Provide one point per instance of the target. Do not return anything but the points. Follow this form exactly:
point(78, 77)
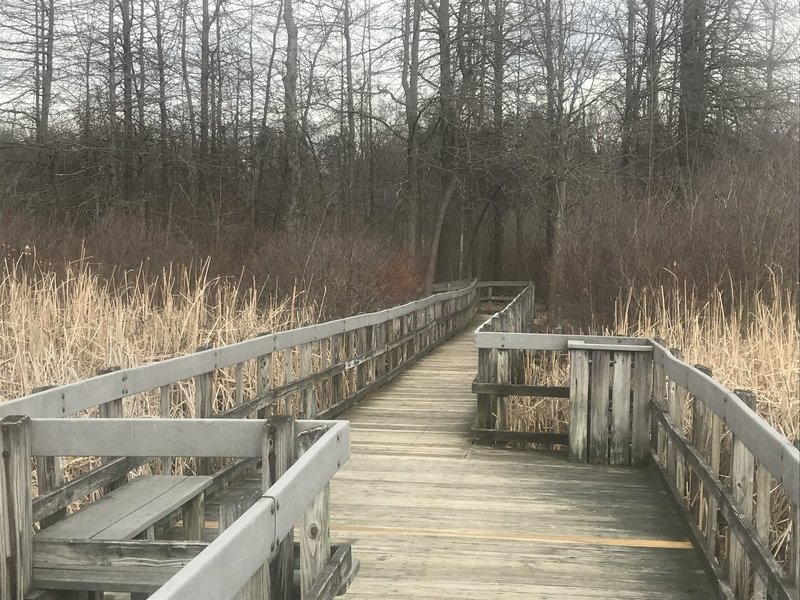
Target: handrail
point(66, 400)
point(254, 538)
point(767, 445)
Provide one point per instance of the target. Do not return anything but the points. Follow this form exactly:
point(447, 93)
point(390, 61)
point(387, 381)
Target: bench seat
point(129, 510)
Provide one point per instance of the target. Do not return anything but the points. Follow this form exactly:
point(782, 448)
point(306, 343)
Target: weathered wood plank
point(203, 409)
point(620, 446)
point(336, 577)
point(6, 530)
point(521, 389)
point(640, 420)
point(763, 519)
point(282, 567)
point(529, 437)
point(742, 487)
point(128, 511)
point(164, 405)
point(579, 405)
point(16, 438)
point(599, 406)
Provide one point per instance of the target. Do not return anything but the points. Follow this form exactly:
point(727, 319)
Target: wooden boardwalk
point(430, 515)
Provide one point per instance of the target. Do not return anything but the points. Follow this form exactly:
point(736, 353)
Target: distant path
point(432, 516)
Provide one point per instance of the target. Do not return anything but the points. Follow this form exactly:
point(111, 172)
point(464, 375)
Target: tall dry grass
point(62, 326)
point(755, 345)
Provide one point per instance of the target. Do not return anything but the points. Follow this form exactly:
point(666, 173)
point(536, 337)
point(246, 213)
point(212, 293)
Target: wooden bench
point(127, 512)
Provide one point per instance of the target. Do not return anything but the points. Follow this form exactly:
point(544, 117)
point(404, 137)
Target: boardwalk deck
point(432, 516)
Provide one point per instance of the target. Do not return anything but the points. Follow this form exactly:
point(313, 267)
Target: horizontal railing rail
point(69, 399)
point(735, 502)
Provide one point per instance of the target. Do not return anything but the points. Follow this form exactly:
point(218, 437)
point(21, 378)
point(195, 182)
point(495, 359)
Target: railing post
point(315, 547)
point(642, 392)
point(578, 405)
point(742, 468)
point(113, 409)
point(484, 401)
point(282, 434)
point(164, 413)
point(619, 452)
point(675, 406)
point(309, 395)
point(264, 381)
point(49, 476)
point(203, 408)
point(17, 513)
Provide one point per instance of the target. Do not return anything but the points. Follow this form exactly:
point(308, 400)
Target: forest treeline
point(590, 145)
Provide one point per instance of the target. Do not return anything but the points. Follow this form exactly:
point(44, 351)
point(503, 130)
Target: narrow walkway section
point(432, 516)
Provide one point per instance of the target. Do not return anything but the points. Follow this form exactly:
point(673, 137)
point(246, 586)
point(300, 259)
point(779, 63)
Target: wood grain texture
point(128, 511)
point(16, 438)
point(578, 405)
point(490, 522)
point(599, 407)
point(619, 452)
point(5, 529)
point(640, 419)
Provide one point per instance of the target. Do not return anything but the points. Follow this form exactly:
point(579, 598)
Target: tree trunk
point(410, 78)
point(292, 173)
point(691, 113)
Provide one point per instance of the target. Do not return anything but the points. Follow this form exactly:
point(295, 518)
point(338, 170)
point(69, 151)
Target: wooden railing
point(629, 401)
point(313, 372)
point(732, 477)
point(294, 491)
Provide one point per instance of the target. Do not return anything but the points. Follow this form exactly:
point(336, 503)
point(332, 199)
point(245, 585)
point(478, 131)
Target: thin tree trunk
point(410, 78)
point(350, 146)
point(290, 122)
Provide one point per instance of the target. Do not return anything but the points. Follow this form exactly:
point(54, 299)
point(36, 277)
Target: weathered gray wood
point(502, 377)
point(264, 381)
point(203, 409)
point(283, 449)
point(193, 515)
point(165, 412)
point(742, 471)
point(716, 576)
point(640, 421)
point(763, 519)
point(50, 477)
point(676, 403)
point(483, 418)
point(740, 526)
point(616, 347)
point(619, 452)
point(47, 504)
point(129, 510)
point(308, 396)
point(764, 442)
point(335, 578)
point(6, 548)
point(521, 389)
point(598, 406)
point(528, 437)
point(73, 554)
point(314, 541)
point(314, 533)
point(16, 438)
point(659, 399)
point(579, 405)
point(114, 409)
point(548, 341)
point(235, 438)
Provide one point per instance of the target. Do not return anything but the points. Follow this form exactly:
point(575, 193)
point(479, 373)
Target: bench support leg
point(193, 518)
